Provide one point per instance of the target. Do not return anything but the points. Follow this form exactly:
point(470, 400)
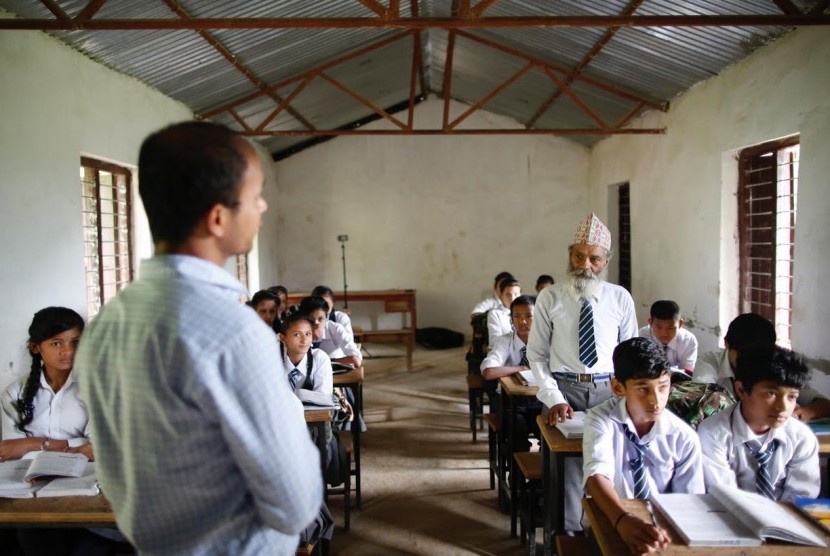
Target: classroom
point(438, 214)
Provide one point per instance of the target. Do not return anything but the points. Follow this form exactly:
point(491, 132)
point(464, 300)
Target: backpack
point(478, 346)
point(695, 401)
point(439, 338)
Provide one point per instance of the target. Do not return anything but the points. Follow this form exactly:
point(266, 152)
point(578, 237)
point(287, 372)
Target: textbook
point(817, 509)
point(527, 378)
point(573, 427)
point(85, 485)
point(23, 478)
point(339, 368)
point(728, 516)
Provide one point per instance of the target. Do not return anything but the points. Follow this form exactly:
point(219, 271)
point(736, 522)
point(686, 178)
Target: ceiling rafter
point(90, 10)
point(489, 96)
point(363, 100)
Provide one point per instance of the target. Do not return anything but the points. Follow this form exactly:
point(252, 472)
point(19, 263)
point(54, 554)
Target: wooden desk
point(354, 380)
point(555, 448)
point(610, 543)
point(64, 511)
point(511, 388)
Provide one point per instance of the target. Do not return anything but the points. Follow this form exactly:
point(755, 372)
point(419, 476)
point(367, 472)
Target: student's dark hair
point(313, 303)
point(508, 283)
point(183, 171)
point(759, 362)
point(323, 291)
point(522, 300)
point(639, 358)
point(264, 295)
point(749, 328)
point(665, 309)
point(544, 279)
point(47, 323)
point(289, 321)
point(501, 276)
point(278, 289)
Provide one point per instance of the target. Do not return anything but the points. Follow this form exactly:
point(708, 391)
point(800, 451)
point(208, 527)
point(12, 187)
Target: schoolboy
point(508, 356)
point(498, 319)
point(543, 281)
point(493, 301)
point(719, 366)
point(755, 445)
point(665, 326)
point(632, 447)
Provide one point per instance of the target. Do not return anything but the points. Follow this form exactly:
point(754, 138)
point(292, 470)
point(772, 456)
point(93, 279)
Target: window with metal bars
point(767, 195)
point(107, 225)
point(624, 239)
point(242, 269)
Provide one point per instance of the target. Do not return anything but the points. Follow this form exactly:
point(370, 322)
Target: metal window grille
point(107, 225)
point(624, 241)
point(767, 195)
point(242, 269)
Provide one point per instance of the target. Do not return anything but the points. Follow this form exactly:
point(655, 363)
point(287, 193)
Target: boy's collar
point(660, 427)
point(741, 432)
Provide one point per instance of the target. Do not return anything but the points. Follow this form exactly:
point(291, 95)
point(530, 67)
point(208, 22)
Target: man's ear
point(617, 387)
point(216, 220)
point(740, 391)
point(680, 323)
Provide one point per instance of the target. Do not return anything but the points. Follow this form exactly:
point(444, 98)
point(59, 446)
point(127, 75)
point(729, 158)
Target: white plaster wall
point(439, 214)
point(683, 184)
point(57, 105)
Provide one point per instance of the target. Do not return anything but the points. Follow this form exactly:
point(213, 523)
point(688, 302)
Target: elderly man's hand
point(559, 413)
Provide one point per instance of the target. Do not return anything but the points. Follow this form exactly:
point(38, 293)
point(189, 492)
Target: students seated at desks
point(44, 411)
point(508, 356)
point(719, 366)
point(632, 448)
point(498, 319)
point(339, 317)
point(282, 294)
point(543, 281)
point(755, 445)
point(665, 326)
point(330, 336)
point(495, 301)
point(267, 306)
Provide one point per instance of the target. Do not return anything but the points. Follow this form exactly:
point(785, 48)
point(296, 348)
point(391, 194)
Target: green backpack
point(695, 401)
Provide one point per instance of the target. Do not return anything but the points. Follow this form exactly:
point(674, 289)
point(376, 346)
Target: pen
point(651, 512)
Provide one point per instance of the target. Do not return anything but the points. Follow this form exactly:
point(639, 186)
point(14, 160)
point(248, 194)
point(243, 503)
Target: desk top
point(89, 511)
point(317, 415)
point(823, 444)
point(610, 543)
point(353, 376)
point(555, 440)
point(512, 386)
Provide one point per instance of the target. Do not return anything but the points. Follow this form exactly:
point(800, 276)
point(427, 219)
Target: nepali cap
point(592, 231)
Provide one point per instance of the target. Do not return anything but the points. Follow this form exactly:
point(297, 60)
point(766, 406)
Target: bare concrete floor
point(425, 484)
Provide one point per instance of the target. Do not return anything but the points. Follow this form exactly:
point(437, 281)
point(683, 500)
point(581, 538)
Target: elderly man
point(577, 324)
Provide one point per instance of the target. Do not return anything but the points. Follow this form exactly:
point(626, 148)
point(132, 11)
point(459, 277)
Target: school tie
point(638, 467)
point(587, 345)
point(315, 345)
point(294, 377)
point(524, 362)
point(763, 482)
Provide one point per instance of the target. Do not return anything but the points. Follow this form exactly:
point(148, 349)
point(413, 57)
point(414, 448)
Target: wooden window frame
point(624, 235)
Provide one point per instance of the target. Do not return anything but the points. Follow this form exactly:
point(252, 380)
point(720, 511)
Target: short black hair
point(313, 303)
point(183, 171)
point(501, 276)
point(278, 289)
point(749, 328)
point(523, 300)
point(760, 362)
point(639, 358)
point(296, 317)
point(508, 283)
point(323, 291)
point(263, 295)
point(544, 279)
point(665, 309)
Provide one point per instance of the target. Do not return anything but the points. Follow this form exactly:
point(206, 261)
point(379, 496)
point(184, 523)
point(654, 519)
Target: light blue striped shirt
point(201, 446)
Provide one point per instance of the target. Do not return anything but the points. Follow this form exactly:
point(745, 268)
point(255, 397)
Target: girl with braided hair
point(43, 410)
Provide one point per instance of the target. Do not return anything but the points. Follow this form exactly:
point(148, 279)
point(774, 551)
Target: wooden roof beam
point(363, 131)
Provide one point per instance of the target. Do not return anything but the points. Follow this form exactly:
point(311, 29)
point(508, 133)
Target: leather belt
point(583, 377)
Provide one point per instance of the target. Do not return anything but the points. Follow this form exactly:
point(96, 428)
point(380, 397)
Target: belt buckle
point(584, 377)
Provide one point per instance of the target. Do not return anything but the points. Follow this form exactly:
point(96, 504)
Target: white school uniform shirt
point(322, 379)
point(336, 342)
point(486, 304)
point(60, 415)
point(553, 343)
point(498, 321)
point(505, 351)
point(343, 320)
point(713, 368)
point(673, 459)
point(794, 469)
point(681, 351)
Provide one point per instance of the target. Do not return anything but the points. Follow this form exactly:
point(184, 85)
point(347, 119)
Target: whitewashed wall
point(440, 214)
point(683, 187)
point(57, 105)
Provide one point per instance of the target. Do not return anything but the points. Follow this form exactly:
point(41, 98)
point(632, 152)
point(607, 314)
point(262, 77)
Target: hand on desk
point(640, 536)
point(559, 413)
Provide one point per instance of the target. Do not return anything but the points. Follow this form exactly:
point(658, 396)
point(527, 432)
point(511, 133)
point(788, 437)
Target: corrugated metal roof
point(655, 63)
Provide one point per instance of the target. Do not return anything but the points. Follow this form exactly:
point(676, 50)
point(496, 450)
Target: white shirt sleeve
point(538, 351)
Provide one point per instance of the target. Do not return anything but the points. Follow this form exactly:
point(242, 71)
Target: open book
point(728, 516)
point(573, 427)
point(527, 378)
point(340, 368)
point(23, 478)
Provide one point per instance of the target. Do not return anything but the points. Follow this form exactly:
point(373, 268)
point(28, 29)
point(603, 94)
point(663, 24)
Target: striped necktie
point(587, 345)
point(294, 377)
point(638, 467)
point(763, 482)
point(523, 361)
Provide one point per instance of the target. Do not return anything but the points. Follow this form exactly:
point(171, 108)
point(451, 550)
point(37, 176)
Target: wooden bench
point(405, 336)
point(529, 471)
point(493, 430)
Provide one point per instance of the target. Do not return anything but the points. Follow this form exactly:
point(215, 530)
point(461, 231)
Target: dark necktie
point(763, 482)
point(294, 377)
point(638, 467)
point(524, 362)
point(587, 345)
point(316, 345)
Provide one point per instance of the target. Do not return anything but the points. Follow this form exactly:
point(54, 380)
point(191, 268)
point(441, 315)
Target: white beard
point(580, 286)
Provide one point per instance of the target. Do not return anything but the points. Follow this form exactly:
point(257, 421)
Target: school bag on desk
point(695, 401)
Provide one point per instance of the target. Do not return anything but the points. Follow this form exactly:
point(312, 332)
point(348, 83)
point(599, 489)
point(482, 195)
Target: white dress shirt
point(673, 459)
point(794, 469)
point(498, 322)
point(58, 416)
point(486, 304)
point(505, 351)
point(201, 447)
point(322, 379)
point(681, 351)
point(553, 343)
point(345, 321)
point(336, 342)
